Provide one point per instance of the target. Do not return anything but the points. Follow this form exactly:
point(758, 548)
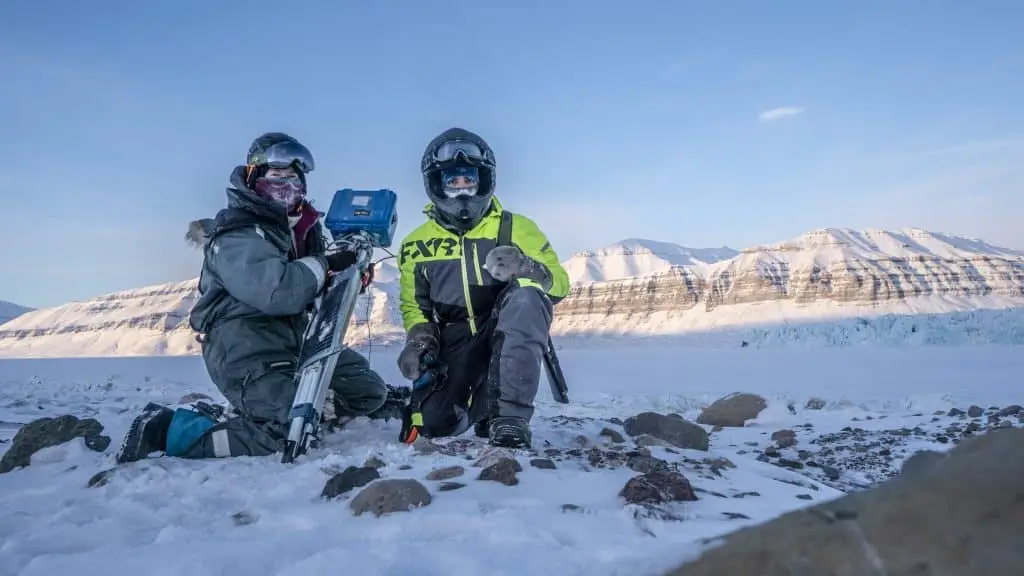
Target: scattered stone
point(954, 412)
point(805, 497)
point(735, 516)
point(244, 518)
point(784, 438)
point(571, 508)
point(375, 463)
point(719, 464)
point(405, 467)
point(101, 478)
point(449, 486)
point(1013, 410)
point(351, 477)
point(195, 397)
point(975, 411)
point(543, 463)
point(791, 464)
point(446, 473)
point(814, 404)
point(745, 494)
point(97, 442)
point(658, 487)
point(644, 463)
point(504, 471)
point(613, 435)
point(733, 410)
point(670, 428)
point(48, 432)
point(390, 495)
point(906, 525)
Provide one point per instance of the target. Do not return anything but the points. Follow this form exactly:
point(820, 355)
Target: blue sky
point(121, 120)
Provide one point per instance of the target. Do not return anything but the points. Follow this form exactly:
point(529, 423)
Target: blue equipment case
point(372, 211)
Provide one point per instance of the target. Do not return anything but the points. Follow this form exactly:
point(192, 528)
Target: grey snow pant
point(495, 372)
point(262, 387)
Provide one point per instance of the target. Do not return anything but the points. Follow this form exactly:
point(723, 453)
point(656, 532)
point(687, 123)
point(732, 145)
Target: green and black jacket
point(441, 272)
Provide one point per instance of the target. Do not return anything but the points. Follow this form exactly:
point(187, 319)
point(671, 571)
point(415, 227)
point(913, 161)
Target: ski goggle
point(285, 155)
point(464, 149)
point(462, 181)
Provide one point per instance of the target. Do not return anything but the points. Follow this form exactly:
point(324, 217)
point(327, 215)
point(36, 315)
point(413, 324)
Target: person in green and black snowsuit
point(264, 264)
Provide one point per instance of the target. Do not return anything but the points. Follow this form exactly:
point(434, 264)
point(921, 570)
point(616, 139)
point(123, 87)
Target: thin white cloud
point(779, 113)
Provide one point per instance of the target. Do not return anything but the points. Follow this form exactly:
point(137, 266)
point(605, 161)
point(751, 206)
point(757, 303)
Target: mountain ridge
point(828, 273)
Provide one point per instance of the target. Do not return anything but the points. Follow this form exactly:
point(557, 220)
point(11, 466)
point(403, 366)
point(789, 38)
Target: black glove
point(338, 261)
point(422, 338)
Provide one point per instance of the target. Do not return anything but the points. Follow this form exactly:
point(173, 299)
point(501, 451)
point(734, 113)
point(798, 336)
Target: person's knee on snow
point(358, 390)
point(454, 269)
point(265, 261)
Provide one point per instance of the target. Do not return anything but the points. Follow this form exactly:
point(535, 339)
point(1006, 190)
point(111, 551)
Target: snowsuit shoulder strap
point(505, 229)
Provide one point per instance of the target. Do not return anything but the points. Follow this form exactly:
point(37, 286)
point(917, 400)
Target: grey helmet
point(455, 148)
point(277, 150)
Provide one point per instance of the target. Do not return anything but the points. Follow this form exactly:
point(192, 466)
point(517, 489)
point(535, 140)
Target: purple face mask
point(288, 191)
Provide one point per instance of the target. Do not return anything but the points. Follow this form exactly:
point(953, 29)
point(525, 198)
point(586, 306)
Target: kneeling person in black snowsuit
point(264, 265)
point(483, 310)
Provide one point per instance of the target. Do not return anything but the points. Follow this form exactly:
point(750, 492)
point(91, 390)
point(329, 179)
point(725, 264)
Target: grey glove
point(506, 263)
point(422, 338)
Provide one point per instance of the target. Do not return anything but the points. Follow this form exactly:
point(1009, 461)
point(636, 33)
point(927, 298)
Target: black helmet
point(277, 150)
point(456, 148)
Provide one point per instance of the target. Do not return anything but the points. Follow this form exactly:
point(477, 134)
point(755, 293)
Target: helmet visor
point(285, 155)
point(460, 149)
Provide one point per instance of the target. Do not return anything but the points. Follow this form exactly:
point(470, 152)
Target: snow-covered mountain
point(154, 321)
point(634, 258)
point(9, 311)
point(641, 287)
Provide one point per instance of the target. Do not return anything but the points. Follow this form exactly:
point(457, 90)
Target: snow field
point(256, 516)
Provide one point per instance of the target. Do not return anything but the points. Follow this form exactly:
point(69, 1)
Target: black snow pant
point(261, 389)
point(495, 372)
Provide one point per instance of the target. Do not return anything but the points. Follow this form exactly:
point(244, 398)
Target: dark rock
point(45, 433)
point(658, 487)
point(351, 477)
point(571, 508)
point(613, 435)
point(735, 516)
point(1010, 411)
point(543, 463)
point(906, 526)
point(805, 497)
point(814, 404)
point(449, 486)
point(390, 495)
point(674, 430)
point(953, 412)
point(975, 412)
point(97, 442)
point(644, 463)
point(101, 478)
point(504, 471)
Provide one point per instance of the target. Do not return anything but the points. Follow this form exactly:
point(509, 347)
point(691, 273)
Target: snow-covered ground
point(256, 516)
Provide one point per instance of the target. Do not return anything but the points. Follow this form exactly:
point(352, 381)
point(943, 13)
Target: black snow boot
point(147, 434)
point(482, 429)
point(510, 432)
point(394, 404)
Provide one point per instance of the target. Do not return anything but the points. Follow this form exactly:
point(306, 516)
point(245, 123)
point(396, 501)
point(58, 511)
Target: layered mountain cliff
point(635, 287)
point(154, 321)
point(825, 273)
